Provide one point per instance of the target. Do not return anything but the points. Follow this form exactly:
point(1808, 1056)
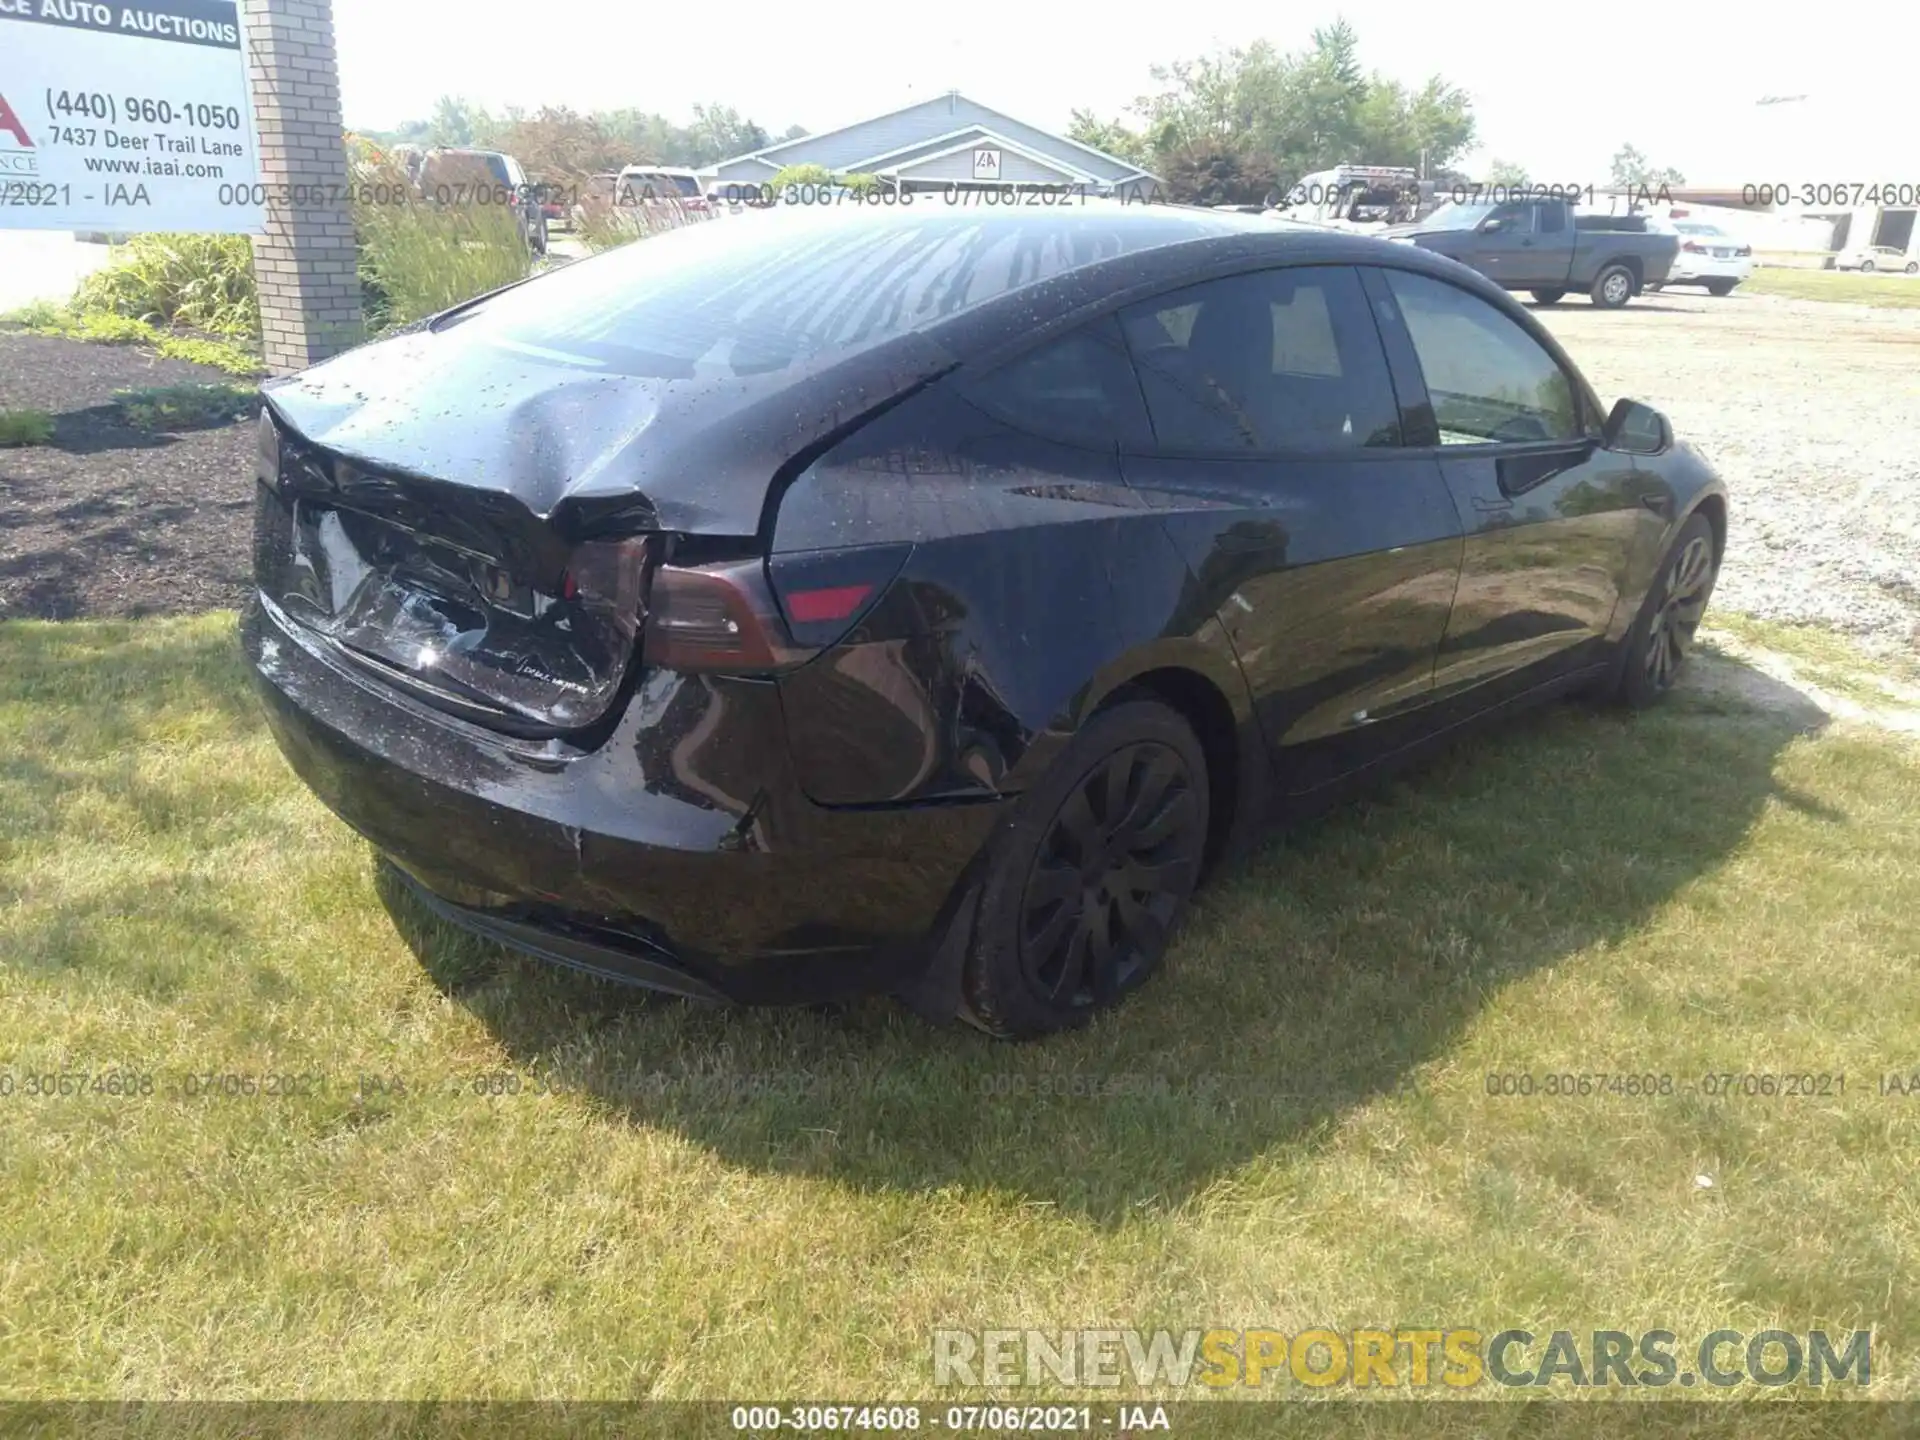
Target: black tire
point(1913, 267)
point(1086, 883)
point(1662, 634)
point(1548, 297)
point(1612, 287)
point(539, 236)
point(1722, 288)
point(1866, 267)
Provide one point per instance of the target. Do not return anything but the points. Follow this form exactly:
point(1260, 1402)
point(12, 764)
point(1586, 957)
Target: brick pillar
point(309, 291)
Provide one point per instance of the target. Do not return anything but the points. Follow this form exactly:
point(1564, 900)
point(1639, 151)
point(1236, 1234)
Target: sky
point(1557, 92)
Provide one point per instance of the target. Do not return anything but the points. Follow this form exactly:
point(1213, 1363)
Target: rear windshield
point(649, 185)
point(779, 290)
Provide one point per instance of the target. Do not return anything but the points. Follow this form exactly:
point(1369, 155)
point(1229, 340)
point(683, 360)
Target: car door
point(1328, 552)
point(1502, 246)
point(1551, 518)
point(1546, 258)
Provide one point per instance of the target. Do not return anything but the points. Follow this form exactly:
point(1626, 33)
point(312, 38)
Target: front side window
point(1513, 219)
point(1278, 361)
point(1490, 382)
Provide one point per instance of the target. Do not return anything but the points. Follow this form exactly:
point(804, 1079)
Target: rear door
point(1551, 518)
point(1329, 553)
point(1546, 259)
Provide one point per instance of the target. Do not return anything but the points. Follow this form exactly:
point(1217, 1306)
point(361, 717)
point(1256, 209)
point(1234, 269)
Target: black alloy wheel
point(1662, 636)
point(1112, 872)
point(1086, 886)
point(1689, 582)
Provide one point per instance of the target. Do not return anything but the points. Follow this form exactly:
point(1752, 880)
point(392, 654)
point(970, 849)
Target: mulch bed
point(107, 520)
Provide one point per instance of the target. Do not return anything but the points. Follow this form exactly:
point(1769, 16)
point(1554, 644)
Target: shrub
point(186, 407)
point(800, 175)
point(203, 282)
point(418, 257)
point(858, 184)
point(25, 427)
point(103, 327)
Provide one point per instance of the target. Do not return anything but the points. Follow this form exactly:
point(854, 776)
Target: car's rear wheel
point(1549, 297)
point(1662, 636)
point(1613, 287)
point(1913, 267)
point(1866, 267)
point(1086, 884)
point(539, 236)
point(1721, 287)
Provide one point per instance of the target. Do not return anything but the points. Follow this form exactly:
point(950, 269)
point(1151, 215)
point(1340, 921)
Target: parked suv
point(661, 184)
point(449, 175)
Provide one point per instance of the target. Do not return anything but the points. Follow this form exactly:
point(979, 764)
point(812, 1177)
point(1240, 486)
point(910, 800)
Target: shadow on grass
point(1320, 973)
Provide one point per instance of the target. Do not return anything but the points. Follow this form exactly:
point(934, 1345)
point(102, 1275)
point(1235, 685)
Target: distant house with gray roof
point(943, 142)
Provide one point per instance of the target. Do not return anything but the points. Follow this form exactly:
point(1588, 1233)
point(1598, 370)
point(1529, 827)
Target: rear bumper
point(679, 853)
point(1697, 268)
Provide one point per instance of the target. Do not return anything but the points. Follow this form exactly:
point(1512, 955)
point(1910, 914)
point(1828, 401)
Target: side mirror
point(1637, 429)
point(1492, 227)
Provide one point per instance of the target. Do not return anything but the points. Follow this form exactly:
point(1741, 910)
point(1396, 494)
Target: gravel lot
point(1811, 412)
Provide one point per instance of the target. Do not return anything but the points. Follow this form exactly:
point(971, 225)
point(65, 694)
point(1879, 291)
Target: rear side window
point(1078, 388)
point(1490, 382)
point(1279, 360)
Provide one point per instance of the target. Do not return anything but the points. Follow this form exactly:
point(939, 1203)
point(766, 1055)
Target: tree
point(1112, 138)
point(1505, 172)
point(1291, 115)
point(458, 122)
point(1203, 174)
point(719, 133)
point(1631, 170)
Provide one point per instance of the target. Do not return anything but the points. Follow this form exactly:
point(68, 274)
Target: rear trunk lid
point(475, 519)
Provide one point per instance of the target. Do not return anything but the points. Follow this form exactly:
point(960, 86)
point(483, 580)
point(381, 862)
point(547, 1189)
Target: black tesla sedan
point(923, 599)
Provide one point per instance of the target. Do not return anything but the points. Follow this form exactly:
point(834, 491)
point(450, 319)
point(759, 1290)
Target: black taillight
point(715, 617)
point(823, 593)
point(728, 617)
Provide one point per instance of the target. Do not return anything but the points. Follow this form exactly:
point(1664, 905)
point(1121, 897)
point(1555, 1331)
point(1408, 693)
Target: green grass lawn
point(682, 1202)
point(1847, 286)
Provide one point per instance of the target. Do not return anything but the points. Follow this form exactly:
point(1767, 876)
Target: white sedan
point(1868, 258)
point(1708, 256)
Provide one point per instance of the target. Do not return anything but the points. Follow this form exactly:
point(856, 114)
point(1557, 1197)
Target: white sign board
point(126, 117)
point(986, 163)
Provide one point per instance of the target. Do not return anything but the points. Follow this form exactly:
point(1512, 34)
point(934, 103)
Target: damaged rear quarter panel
point(1004, 616)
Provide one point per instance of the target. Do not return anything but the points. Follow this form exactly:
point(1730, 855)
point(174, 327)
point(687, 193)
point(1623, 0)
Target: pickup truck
point(1543, 247)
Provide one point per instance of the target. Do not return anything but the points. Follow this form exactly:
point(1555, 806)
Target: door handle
point(1488, 507)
